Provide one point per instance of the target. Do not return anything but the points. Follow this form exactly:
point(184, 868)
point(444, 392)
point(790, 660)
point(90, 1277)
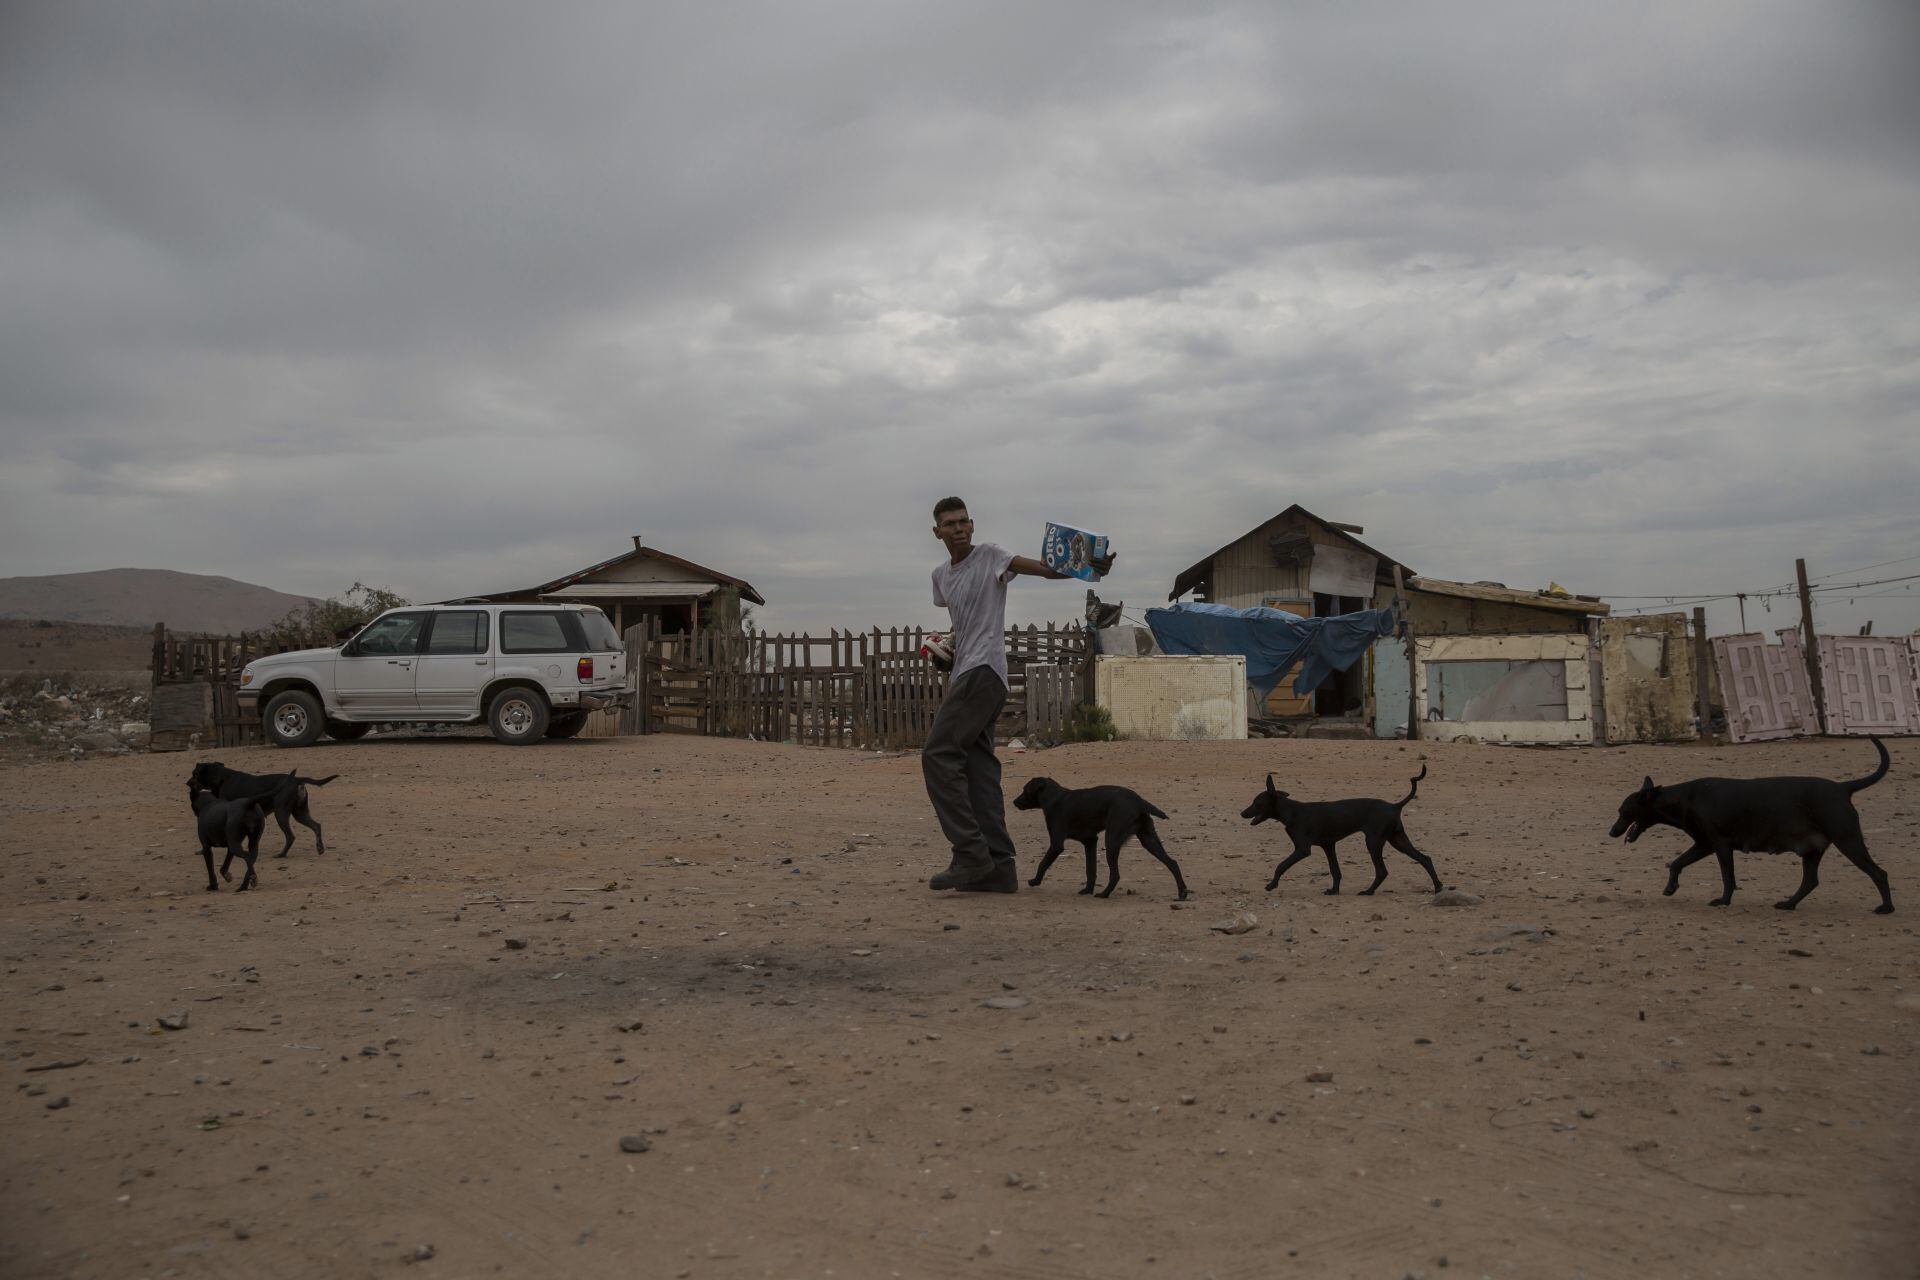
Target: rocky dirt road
point(425, 1052)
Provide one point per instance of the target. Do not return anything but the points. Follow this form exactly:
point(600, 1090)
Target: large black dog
point(1326, 823)
point(237, 824)
point(284, 793)
point(1087, 815)
point(1759, 815)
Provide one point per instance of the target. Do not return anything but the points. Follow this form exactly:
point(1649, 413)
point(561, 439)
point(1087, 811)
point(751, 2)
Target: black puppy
point(1328, 822)
point(1759, 815)
point(237, 824)
point(1086, 816)
point(284, 793)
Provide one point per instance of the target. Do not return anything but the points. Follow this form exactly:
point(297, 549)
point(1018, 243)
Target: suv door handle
point(397, 662)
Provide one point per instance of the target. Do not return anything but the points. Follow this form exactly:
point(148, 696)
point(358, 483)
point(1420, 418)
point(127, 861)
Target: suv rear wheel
point(293, 719)
point(517, 716)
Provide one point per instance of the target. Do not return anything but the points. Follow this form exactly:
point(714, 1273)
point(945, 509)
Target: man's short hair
point(945, 505)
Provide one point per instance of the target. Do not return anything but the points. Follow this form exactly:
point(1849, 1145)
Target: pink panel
point(1764, 686)
point(1868, 683)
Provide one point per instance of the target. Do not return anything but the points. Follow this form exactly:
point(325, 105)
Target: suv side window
point(460, 632)
point(534, 633)
point(395, 633)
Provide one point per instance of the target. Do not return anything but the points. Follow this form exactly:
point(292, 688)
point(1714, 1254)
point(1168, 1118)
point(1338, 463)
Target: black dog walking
point(1326, 823)
point(284, 793)
point(1760, 815)
point(236, 824)
point(1088, 815)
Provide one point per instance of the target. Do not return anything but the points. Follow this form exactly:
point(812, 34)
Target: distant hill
point(142, 597)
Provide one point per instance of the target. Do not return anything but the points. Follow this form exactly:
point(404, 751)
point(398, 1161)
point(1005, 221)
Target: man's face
point(955, 528)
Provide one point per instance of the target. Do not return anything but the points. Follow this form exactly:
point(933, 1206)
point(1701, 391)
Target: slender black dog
point(1086, 816)
point(284, 793)
point(237, 824)
point(1759, 815)
point(1326, 823)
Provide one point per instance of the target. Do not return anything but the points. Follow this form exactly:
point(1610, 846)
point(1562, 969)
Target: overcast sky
point(457, 297)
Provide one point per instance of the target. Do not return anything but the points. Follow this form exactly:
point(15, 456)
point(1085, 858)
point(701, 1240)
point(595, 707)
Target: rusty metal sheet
point(1764, 685)
point(1869, 682)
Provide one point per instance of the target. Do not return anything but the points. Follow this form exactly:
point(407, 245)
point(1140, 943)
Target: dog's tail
point(315, 782)
point(1149, 807)
point(1414, 789)
point(1886, 762)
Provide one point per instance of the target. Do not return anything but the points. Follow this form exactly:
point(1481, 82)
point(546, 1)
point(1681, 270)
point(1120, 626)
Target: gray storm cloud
point(456, 298)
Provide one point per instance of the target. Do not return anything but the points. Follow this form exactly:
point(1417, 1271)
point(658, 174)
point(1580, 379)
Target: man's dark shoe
point(1004, 878)
point(961, 873)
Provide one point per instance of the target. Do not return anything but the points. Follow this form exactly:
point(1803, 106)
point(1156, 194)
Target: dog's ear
point(1646, 787)
point(1269, 782)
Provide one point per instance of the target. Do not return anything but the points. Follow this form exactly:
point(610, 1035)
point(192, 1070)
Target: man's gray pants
point(963, 774)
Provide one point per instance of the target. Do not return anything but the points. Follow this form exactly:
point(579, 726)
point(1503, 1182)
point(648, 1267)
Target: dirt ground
point(435, 1037)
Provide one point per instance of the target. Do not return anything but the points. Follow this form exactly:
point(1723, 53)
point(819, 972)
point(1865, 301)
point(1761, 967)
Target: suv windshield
point(601, 637)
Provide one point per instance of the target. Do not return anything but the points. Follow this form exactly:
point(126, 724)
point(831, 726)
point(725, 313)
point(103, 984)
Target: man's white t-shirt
point(974, 593)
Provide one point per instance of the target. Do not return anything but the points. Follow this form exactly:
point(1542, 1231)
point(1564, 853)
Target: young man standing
point(962, 773)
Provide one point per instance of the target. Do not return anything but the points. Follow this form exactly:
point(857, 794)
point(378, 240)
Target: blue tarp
point(1271, 640)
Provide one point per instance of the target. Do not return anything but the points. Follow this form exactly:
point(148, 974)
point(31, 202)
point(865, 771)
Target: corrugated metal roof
point(1198, 572)
point(633, 591)
point(1508, 595)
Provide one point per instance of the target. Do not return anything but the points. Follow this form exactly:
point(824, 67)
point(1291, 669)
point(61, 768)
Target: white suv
point(528, 671)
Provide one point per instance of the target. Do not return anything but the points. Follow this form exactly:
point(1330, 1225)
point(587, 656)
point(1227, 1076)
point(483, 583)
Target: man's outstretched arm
point(1037, 569)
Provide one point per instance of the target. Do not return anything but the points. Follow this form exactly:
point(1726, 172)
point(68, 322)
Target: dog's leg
point(237, 816)
point(1300, 850)
point(1809, 877)
point(1398, 839)
point(1040, 873)
point(206, 852)
point(304, 816)
point(280, 807)
point(1093, 865)
point(253, 850)
point(1375, 846)
point(1855, 850)
point(1114, 840)
point(1150, 841)
point(1333, 865)
point(1680, 864)
point(1723, 854)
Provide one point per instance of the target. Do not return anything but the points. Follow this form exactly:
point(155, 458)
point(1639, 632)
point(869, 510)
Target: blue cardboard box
point(1072, 551)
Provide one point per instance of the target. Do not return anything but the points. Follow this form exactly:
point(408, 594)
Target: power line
point(1879, 582)
point(1882, 565)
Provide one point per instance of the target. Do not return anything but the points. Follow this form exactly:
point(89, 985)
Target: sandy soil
point(730, 952)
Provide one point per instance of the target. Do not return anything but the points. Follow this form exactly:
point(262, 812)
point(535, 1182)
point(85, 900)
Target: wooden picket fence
point(859, 689)
point(216, 661)
point(865, 689)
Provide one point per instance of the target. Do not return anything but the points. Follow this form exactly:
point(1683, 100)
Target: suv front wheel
point(293, 719)
point(517, 716)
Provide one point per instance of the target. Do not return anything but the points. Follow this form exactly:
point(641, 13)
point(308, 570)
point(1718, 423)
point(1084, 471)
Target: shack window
point(1496, 690)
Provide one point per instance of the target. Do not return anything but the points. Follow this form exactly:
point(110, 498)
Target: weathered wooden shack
point(1489, 661)
point(645, 584)
point(1302, 564)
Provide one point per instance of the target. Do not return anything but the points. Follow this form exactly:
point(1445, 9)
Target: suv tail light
point(584, 670)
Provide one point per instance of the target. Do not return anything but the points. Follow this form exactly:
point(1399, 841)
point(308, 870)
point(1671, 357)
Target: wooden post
point(1413, 659)
point(1813, 649)
point(1703, 673)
